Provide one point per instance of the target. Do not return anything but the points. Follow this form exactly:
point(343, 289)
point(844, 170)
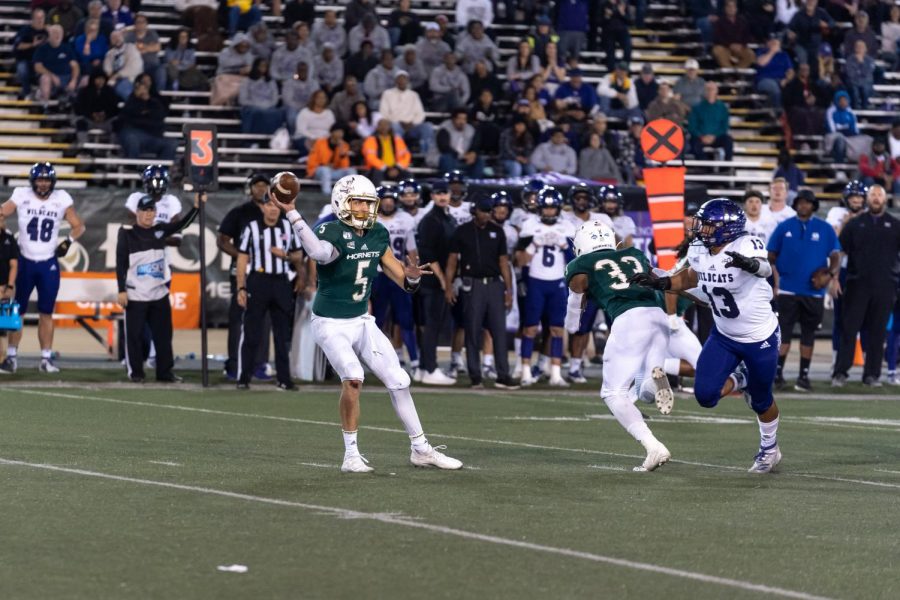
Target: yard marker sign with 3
point(663, 141)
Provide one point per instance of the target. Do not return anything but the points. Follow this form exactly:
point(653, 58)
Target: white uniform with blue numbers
point(512, 239)
point(167, 208)
point(39, 221)
point(549, 264)
point(624, 226)
point(740, 301)
point(401, 228)
point(462, 213)
point(576, 221)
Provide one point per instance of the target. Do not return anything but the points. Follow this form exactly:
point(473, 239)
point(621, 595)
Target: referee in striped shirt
point(267, 251)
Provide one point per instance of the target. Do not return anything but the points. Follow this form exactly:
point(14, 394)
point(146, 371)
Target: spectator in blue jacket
point(773, 71)
point(56, 64)
point(575, 99)
point(27, 40)
point(573, 23)
point(841, 125)
point(798, 249)
point(806, 30)
point(91, 47)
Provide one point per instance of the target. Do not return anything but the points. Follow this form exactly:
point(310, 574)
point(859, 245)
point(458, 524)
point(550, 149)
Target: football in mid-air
point(285, 187)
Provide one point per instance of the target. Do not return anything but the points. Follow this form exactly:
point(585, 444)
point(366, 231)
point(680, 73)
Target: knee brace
point(396, 378)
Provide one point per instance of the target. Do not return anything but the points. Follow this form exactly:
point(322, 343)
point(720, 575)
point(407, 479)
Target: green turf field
point(143, 493)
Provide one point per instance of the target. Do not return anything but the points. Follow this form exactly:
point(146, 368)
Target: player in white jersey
point(527, 206)
point(460, 208)
point(155, 180)
point(777, 208)
point(729, 272)
point(544, 247)
point(760, 224)
point(411, 199)
point(401, 228)
point(613, 204)
point(41, 208)
point(582, 201)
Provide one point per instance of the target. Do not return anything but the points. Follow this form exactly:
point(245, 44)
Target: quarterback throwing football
point(348, 252)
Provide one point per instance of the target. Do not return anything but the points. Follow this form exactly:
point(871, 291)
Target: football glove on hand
point(649, 280)
point(739, 261)
point(63, 247)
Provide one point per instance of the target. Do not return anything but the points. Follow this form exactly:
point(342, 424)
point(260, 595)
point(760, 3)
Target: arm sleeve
point(321, 251)
point(178, 226)
point(573, 312)
point(244, 243)
point(122, 260)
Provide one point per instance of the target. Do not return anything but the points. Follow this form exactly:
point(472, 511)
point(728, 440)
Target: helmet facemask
point(359, 220)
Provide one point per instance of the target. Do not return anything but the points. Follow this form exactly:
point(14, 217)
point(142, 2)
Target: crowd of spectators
point(308, 71)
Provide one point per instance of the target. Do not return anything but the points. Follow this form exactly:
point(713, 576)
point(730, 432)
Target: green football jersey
point(608, 272)
point(345, 283)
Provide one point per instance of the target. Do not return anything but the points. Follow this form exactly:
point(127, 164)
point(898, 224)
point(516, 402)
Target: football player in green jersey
point(348, 252)
point(638, 337)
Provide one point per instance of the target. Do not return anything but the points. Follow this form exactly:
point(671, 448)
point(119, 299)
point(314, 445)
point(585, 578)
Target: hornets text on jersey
point(345, 283)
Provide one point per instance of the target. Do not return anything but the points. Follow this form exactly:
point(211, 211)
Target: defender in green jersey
point(635, 350)
point(348, 253)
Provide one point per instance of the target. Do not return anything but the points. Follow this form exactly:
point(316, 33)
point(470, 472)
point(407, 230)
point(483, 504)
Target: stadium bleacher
point(31, 131)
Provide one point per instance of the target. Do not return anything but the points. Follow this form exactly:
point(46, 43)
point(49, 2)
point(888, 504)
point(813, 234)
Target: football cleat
point(740, 377)
point(417, 375)
point(527, 377)
point(517, 371)
point(803, 384)
point(437, 377)
point(356, 463)
point(577, 377)
point(664, 397)
point(262, 373)
point(433, 458)
point(8, 366)
point(47, 366)
point(657, 455)
point(871, 382)
point(766, 459)
point(838, 381)
point(558, 382)
point(489, 372)
point(893, 379)
point(506, 383)
point(290, 386)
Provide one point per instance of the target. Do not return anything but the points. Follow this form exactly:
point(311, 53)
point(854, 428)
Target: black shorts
point(806, 310)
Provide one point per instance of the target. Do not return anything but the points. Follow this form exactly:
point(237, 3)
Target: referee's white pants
point(350, 342)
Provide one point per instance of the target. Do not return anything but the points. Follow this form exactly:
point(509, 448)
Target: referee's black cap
point(146, 202)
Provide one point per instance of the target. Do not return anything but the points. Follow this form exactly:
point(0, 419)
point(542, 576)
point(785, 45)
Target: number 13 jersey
point(740, 301)
point(345, 283)
point(39, 221)
point(608, 272)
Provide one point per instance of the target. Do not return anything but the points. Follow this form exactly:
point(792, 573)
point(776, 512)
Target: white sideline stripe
point(165, 462)
point(442, 435)
point(888, 471)
point(318, 465)
point(607, 468)
point(396, 519)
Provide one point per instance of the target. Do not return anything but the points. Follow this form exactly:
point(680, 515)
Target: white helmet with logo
point(354, 187)
point(594, 236)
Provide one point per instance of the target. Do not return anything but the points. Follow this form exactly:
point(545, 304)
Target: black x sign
point(663, 140)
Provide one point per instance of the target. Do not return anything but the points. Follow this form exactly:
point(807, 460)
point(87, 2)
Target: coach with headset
point(478, 255)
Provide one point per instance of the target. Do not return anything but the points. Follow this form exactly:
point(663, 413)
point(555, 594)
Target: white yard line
point(319, 465)
point(888, 471)
point(607, 468)
point(165, 463)
point(439, 435)
point(405, 521)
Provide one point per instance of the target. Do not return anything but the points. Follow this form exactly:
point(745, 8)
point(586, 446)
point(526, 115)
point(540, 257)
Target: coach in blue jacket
point(806, 254)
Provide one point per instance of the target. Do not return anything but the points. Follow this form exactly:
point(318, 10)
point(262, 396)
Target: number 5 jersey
point(740, 301)
point(39, 221)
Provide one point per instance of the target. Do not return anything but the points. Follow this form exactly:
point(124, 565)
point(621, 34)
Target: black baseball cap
point(484, 204)
point(440, 185)
point(256, 177)
point(146, 202)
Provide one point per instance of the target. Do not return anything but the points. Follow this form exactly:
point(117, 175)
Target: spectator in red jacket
point(878, 167)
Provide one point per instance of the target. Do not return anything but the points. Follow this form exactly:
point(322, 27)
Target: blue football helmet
point(42, 170)
point(156, 180)
point(456, 181)
point(409, 187)
point(549, 197)
point(854, 188)
point(718, 222)
point(529, 194)
point(499, 200)
point(387, 191)
point(610, 193)
point(579, 190)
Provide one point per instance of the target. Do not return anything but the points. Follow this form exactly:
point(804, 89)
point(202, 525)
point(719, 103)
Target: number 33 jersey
point(740, 301)
point(39, 221)
point(345, 283)
point(608, 272)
